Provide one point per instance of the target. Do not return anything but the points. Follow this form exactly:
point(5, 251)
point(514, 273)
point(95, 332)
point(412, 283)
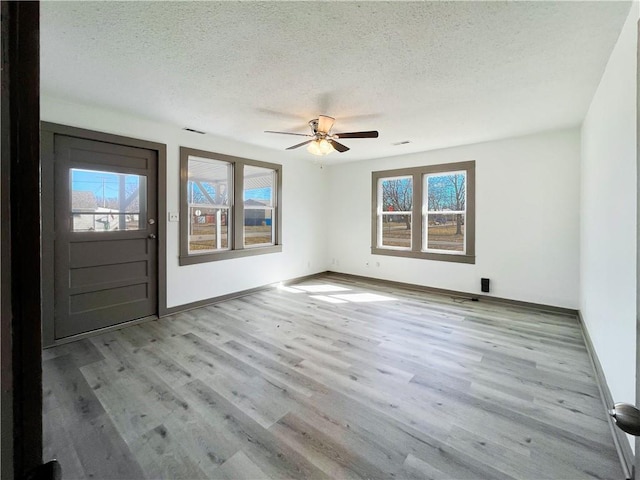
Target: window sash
point(426, 225)
point(217, 235)
point(385, 214)
point(252, 176)
point(380, 229)
point(427, 211)
point(272, 224)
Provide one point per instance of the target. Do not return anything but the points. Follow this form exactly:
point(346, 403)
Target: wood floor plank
point(282, 384)
point(415, 469)
point(161, 454)
point(271, 455)
point(325, 448)
point(96, 443)
point(390, 439)
point(300, 382)
point(239, 467)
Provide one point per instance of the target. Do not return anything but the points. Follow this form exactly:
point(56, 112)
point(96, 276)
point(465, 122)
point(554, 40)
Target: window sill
point(442, 257)
point(227, 255)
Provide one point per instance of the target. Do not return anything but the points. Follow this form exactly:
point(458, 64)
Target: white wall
point(304, 235)
point(608, 217)
point(527, 224)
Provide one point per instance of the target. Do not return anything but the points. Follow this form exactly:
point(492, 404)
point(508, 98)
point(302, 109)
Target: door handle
point(626, 417)
point(152, 236)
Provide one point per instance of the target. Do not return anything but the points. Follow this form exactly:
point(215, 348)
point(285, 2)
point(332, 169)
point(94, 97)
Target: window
point(425, 212)
point(229, 207)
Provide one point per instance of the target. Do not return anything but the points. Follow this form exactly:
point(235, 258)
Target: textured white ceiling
point(436, 74)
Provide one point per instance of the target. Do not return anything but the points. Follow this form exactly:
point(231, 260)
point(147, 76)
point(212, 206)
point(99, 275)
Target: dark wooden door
point(105, 234)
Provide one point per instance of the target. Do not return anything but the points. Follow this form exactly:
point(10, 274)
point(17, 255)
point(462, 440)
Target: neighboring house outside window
point(425, 212)
point(230, 207)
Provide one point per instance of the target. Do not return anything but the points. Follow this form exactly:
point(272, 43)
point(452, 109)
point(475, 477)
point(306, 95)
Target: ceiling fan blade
point(300, 144)
point(338, 146)
point(325, 123)
point(290, 133)
point(369, 134)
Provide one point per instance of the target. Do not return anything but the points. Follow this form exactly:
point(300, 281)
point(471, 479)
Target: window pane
point(259, 186)
point(107, 201)
point(258, 226)
point(259, 200)
point(208, 229)
point(396, 194)
point(446, 191)
point(209, 182)
point(209, 197)
point(445, 232)
point(396, 231)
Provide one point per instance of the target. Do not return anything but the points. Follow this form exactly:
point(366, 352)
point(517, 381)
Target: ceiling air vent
point(193, 130)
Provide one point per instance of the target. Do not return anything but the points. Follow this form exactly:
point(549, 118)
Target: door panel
point(105, 234)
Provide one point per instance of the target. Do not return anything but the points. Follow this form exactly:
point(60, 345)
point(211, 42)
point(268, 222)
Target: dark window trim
point(236, 238)
point(416, 225)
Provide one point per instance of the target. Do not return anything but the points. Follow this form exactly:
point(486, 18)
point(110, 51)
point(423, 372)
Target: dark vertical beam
point(636, 465)
point(21, 370)
point(6, 373)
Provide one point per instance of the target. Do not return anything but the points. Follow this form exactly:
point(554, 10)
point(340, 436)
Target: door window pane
point(209, 200)
point(107, 201)
point(259, 201)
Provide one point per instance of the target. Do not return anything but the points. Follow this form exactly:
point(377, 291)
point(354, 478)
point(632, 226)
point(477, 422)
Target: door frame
point(48, 131)
point(636, 460)
point(20, 339)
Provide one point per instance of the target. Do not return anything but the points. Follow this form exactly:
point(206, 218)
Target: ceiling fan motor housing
point(314, 125)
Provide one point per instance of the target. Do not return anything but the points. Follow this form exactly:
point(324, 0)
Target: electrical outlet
point(173, 216)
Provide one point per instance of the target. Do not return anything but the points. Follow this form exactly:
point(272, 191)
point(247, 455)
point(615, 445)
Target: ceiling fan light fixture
point(320, 147)
point(322, 141)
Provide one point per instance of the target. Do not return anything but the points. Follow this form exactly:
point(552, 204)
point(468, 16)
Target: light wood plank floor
point(331, 378)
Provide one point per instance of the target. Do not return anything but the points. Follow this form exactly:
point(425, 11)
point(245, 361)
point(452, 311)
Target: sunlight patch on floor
point(331, 297)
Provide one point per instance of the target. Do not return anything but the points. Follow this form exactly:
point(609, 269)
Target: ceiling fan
point(322, 141)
